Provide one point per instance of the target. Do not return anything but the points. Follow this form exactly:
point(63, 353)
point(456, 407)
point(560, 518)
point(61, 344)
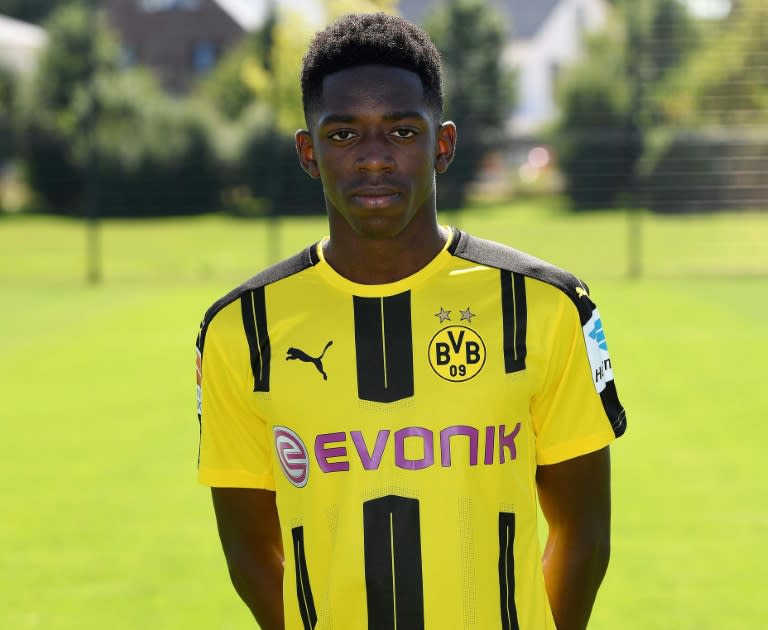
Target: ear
point(446, 146)
point(306, 152)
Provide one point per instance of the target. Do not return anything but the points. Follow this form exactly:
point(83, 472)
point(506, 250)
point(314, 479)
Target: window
point(204, 56)
point(127, 56)
point(155, 6)
point(581, 20)
point(555, 70)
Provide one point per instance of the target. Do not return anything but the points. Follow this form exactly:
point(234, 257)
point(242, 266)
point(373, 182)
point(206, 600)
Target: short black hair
point(360, 39)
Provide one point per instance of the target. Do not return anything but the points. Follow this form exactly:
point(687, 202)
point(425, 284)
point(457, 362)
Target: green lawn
point(104, 526)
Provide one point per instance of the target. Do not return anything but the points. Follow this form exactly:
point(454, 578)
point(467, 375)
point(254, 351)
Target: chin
point(378, 227)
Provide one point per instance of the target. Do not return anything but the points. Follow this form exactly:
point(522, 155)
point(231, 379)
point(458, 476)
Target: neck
point(367, 260)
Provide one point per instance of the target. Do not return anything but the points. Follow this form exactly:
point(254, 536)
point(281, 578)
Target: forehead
point(372, 89)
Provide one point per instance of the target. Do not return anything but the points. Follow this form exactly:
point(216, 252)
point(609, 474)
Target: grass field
point(104, 526)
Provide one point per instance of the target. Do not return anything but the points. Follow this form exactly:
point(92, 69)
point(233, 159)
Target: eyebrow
point(390, 117)
point(400, 115)
point(336, 118)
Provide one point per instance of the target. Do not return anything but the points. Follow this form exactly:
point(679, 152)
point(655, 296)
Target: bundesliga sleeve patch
point(597, 351)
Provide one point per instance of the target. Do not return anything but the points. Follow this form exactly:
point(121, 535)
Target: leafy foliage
point(91, 133)
point(35, 11)
point(711, 154)
point(727, 82)
point(49, 128)
point(257, 85)
point(153, 155)
point(597, 142)
point(471, 37)
point(696, 171)
point(608, 101)
point(7, 98)
point(264, 68)
point(270, 170)
point(229, 86)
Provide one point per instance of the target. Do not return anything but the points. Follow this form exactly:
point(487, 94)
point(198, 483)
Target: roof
point(21, 34)
point(525, 17)
point(248, 14)
point(20, 44)
point(528, 17)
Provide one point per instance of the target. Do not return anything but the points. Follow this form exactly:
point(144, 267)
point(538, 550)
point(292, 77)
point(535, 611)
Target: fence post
point(93, 224)
point(634, 137)
point(634, 243)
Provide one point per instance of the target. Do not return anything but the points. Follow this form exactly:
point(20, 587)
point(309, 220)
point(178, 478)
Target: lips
point(375, 197)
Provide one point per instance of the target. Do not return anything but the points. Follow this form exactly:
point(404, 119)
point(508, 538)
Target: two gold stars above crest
point(445, 316)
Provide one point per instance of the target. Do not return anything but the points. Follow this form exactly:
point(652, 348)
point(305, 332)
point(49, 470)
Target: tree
point(36, 11)
point(714, 106)
point(258, 83)
point(609, 101)
point(84, 121)
point(240, 78)
point(478, 94)
point(79, 47)
point(7, 98)
point(264, 68)
point(274, 79)
point(727, 82)
point(671, 36)
point(597, 142)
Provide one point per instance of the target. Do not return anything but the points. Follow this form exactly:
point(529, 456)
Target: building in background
point(548, 37)
point(181, 39)
point(20, 44)
point(544, 37)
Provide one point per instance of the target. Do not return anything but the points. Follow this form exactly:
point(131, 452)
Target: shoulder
point(279, 271)
point(505, 258)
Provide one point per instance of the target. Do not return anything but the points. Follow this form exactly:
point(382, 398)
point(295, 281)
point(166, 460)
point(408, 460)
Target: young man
point(381, 412)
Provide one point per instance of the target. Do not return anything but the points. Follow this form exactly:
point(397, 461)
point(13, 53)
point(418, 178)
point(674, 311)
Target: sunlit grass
point(104, 525)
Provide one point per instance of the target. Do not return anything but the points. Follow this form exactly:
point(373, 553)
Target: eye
point(341, 136)
point(404, 133)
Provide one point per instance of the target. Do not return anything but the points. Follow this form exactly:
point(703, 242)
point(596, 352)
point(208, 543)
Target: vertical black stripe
point(303, 589)
point(515, 320)
point(384, 347)
point(613, 409)
point(254, 310)
point(393, 579)
point(507, 571)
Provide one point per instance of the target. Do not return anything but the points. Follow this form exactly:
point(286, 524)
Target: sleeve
point(576, 410)
point(235, 449)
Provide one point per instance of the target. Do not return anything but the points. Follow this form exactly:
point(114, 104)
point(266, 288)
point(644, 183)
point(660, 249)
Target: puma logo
point(295, 353)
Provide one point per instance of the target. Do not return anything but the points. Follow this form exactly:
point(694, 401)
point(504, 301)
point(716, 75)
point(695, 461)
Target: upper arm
point(247, 521)
point(575, 409)
point(235, 440)
point(576, 493)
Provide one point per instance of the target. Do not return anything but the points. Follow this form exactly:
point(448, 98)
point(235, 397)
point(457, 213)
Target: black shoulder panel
point(288, 267)
point(513, 262)
point(500, 256)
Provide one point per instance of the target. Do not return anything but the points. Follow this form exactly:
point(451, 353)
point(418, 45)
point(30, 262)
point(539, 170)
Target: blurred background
point(147, 166)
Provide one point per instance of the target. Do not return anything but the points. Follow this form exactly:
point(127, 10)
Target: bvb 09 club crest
point(456, 353)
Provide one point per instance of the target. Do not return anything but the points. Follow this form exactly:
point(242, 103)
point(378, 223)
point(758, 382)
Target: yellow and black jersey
point(401, 426)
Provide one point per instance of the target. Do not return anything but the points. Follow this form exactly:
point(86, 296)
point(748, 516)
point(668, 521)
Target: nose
point(374, 155)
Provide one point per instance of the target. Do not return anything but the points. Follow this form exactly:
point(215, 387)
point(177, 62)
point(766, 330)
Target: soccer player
point(381, 413)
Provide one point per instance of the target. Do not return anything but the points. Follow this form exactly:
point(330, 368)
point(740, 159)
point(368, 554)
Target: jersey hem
point(571, 450)
point(234, 479)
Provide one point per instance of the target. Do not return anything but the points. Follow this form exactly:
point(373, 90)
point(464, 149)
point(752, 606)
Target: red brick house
point(181, 39)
